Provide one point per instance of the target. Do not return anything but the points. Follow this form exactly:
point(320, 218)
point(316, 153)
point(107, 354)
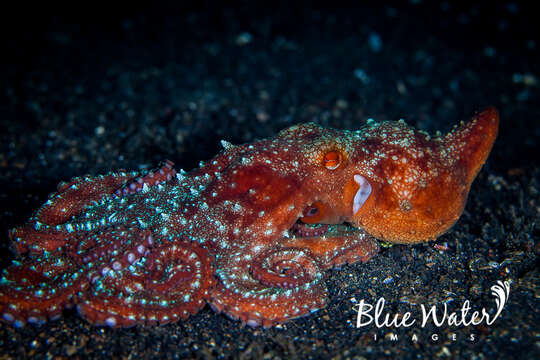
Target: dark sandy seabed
point(93, 90)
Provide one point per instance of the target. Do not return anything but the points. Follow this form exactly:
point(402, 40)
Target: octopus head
point(398, 184)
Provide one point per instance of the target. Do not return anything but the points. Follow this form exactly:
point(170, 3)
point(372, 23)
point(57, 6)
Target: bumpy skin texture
point(250, 233)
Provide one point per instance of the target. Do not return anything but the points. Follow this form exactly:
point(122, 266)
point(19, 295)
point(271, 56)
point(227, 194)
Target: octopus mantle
point(250, 232)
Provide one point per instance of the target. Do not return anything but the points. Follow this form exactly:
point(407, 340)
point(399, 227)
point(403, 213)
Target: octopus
point(251, 232)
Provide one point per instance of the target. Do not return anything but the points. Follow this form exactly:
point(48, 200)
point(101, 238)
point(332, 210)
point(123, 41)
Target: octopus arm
point(278, 285)
point(171, 283)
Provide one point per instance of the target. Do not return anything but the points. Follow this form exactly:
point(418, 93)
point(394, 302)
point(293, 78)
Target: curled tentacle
point(111, 249)
point(278, 285)
point(50, 228)
point(340, 244)
point(45, 231)
point(42, 287)
point(38, 289)
point(74, 196)
point(169, 284)
point(305, 230)
point(286, 269)
point(29, 238)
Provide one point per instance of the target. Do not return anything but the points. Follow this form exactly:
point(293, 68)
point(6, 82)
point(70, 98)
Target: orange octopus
point(250, 232)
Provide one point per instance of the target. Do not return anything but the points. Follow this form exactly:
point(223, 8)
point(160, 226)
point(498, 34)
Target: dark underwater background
point(91, 88)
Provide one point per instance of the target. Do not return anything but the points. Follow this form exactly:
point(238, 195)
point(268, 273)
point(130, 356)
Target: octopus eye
point(314, 213)
point(311, 211)
point(332, 160)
